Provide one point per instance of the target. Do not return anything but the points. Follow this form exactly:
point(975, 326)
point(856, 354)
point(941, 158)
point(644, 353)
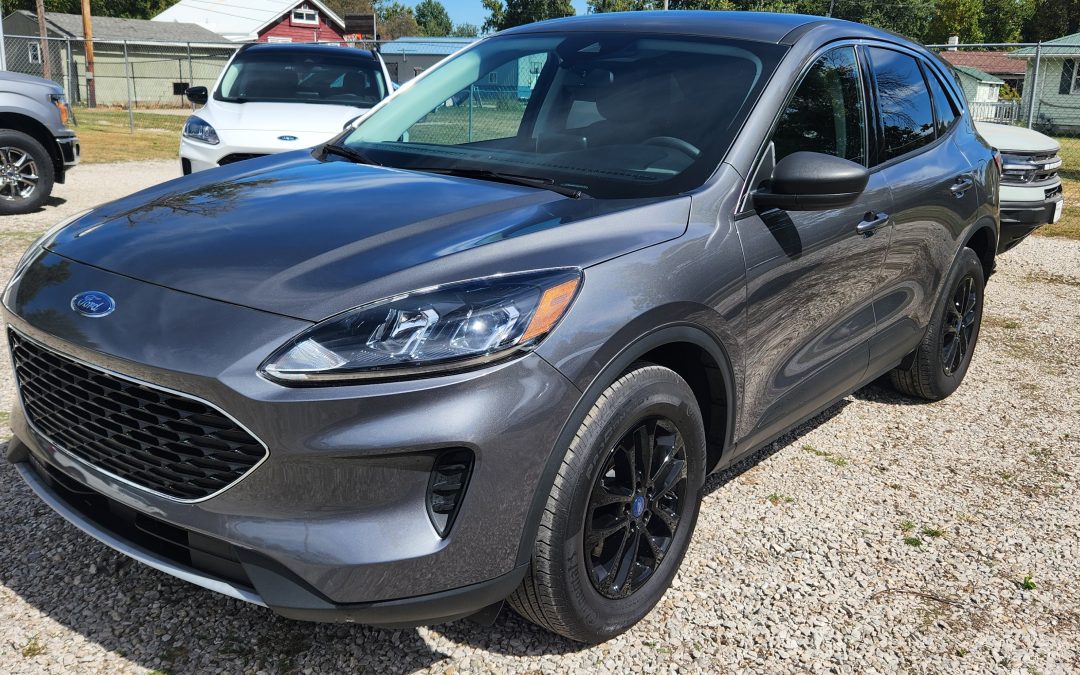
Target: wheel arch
point(697, 356)
point(983, 240)
point(39, 132)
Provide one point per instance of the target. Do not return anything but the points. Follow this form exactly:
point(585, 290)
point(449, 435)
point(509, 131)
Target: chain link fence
point(128, 75)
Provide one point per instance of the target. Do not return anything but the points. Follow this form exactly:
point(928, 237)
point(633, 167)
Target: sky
point(472, 11)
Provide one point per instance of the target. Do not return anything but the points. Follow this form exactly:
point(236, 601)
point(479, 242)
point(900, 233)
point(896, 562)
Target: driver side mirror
point(197, 95)
point(809, 181)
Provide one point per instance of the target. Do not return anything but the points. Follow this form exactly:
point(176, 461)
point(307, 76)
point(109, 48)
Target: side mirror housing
point(809, 181)
point(197, 95)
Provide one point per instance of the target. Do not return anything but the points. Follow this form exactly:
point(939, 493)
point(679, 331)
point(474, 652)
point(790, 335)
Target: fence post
point(127, 80)
point(472, 90)
point(71, 82)
point(190, 71)
point(1034, 84)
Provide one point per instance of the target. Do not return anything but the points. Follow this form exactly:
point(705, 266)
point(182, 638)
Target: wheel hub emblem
point(637, 507)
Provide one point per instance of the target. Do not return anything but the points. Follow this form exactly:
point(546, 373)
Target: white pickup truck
point(1030, 186)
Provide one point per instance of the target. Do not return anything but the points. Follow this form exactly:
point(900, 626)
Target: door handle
point(962, 185)
point(871, 223)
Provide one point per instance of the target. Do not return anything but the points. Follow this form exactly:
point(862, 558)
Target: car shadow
point(164, 624)
point(881, 391)
point(721, 478)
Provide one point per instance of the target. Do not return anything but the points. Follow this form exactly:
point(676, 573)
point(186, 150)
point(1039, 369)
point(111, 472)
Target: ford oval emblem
point(286, 138)
point(93, 304)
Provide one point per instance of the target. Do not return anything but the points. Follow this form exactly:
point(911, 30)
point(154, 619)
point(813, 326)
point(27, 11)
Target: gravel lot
point(883, 535)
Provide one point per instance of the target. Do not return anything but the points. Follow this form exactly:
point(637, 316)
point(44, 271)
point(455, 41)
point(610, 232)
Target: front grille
point(238, 157)
point(1023, 169)
point(159, 440)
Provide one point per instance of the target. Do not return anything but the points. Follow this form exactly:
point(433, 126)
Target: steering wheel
point(679, 144)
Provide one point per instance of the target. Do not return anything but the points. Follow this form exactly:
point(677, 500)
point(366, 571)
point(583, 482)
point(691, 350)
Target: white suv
point(275, 98)
point(1030, 186)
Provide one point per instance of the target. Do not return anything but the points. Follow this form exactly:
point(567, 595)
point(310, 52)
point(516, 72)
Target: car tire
point(22, 156)
point(578, 590)
point(935, 370)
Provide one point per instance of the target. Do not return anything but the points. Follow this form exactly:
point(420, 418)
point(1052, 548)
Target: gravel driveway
point(882, 535)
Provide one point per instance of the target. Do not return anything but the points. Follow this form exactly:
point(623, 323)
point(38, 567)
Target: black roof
point(306, 48)
point(757, 26)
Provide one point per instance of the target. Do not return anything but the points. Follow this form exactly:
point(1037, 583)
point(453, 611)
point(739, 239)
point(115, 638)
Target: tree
point(1052, 19)
point(129, 9)
point(502, 15)
point(345, 8)
point(1003, 20)
point(469, 30)
point(962, 18)
point(433, 19)
point(396, 20)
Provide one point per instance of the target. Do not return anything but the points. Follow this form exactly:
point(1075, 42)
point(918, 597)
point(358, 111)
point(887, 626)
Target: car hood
point(297, 236)
point(1007, 138)
point(8, 78)
point(278, 117)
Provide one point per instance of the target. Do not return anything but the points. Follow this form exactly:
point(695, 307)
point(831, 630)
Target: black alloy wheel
point(634, 508)
point(959, 325)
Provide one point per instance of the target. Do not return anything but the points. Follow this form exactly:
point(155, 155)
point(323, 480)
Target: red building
point(261, 20)
point(306, 22)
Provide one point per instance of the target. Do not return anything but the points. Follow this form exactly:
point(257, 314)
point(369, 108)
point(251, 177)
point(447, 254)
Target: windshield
point(284, 76)
point(610, 114)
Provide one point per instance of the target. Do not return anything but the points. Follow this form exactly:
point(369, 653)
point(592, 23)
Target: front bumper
point(239, 145)
point(70, 154)
point(333, 524)
point(1021, 218)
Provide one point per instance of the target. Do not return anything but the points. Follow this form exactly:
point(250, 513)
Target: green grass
point(913, 541)
point(32, 648)
point(1069, 225)
point(777, 499)
point(932, 532)
point(907, 525)
point(827, 456)
point(105, 136)
point(1028, 584)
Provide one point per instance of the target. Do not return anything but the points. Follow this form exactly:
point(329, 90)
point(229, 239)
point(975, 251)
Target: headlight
point(447, 328)
point(200, 130)
point(66, 115)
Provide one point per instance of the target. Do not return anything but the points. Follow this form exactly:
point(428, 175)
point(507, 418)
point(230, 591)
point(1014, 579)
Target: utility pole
point(829, 13)
point(88, 49)
point(43, 43)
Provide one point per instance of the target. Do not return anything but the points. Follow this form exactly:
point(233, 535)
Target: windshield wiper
point(349, 153)
point(512, 178)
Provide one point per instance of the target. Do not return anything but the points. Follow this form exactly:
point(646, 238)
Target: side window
point(826, 114)
point(907, 117)
point(945, 113)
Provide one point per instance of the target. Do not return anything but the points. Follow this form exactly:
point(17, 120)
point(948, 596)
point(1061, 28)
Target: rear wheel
point(622, 510)
point(26, 173)
point(938, 366)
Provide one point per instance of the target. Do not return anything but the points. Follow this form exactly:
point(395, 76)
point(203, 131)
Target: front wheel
point(26, 173)
point(621, 512)
point(939, 364)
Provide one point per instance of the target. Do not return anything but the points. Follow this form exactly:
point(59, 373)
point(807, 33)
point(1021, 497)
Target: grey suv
point(489, 351)
point(36, 146)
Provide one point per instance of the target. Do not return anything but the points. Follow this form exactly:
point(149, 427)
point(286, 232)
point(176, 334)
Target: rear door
point(810, 274)
point(934, 195)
